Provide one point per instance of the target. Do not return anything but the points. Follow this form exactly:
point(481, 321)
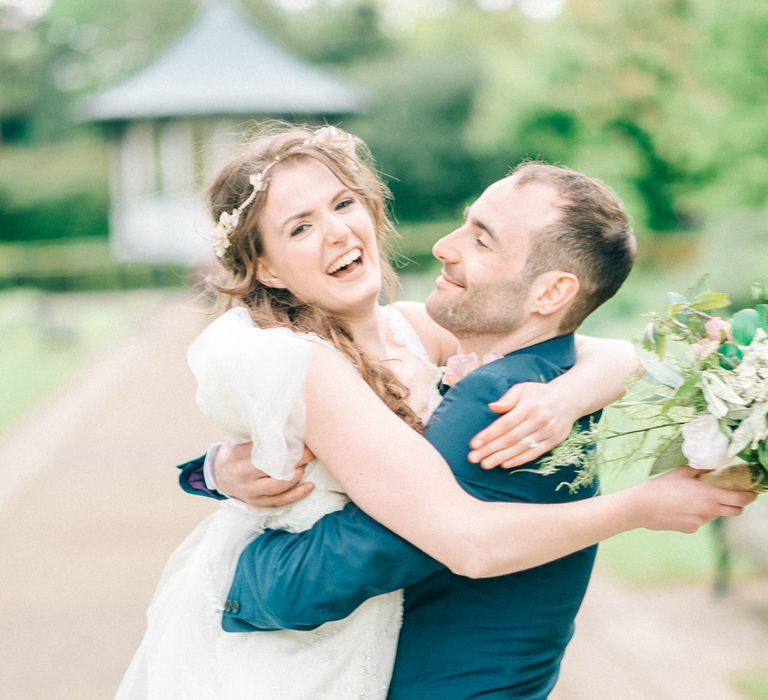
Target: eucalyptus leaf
point(676, 298)
point(745, 324)
point(730, 355)
point(652, 400)
point(670, 457)
point(709, 301)
point(662, 372)
point(649, 337)
point(676, 308)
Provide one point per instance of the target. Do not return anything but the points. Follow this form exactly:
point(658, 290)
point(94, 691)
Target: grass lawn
point(753, 684)
point(651, 558)
point(47, 338)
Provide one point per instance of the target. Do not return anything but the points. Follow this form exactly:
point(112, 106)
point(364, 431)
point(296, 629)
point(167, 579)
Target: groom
point(538, 251)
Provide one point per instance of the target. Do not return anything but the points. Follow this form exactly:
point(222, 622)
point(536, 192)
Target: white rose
point(704, 445)
point(718, 394)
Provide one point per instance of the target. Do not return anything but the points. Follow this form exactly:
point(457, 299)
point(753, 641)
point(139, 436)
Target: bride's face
point(319, 240)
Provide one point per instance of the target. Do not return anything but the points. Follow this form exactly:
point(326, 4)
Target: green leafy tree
point(659, 98)
point(417, 131)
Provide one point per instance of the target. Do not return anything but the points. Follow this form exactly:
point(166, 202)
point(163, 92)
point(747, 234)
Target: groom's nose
point(445, 248)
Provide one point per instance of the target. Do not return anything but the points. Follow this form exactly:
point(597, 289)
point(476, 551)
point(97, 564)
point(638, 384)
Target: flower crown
point(323, 137)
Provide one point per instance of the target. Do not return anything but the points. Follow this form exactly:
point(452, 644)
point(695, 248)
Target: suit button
point(235, 607)
point(228, 606)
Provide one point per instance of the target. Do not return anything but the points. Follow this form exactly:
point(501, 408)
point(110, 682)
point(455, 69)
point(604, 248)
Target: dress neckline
point(406, 336)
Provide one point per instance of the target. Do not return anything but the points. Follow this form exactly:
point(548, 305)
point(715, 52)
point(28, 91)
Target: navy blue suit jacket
point(499, 637)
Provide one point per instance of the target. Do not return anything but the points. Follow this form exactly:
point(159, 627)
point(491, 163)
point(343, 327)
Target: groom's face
point(483, 288)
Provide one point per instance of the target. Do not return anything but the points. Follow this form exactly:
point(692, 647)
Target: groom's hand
point(237, 478)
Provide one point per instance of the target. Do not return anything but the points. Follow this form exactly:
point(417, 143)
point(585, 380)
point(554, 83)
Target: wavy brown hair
point(349, 159)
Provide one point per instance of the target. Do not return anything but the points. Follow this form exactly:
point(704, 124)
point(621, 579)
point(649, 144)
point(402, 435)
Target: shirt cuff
point(210, 457)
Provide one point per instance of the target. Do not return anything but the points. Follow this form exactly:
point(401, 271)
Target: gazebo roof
point(223, 65)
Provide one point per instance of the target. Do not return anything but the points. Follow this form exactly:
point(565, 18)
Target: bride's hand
point(237, 478)
point(540, 416)
point(535, 419)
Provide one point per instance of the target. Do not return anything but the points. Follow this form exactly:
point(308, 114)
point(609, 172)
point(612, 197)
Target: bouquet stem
point(738, 477)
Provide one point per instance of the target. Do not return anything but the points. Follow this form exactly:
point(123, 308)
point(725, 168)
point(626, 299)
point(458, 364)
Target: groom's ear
point(265, 275)
point(554, 291)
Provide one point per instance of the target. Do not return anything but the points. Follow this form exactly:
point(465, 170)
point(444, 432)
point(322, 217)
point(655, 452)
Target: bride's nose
point(336, 231)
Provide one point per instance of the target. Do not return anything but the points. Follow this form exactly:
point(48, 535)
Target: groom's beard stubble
point(489, 309)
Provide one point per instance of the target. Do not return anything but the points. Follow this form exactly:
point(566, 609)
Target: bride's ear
point(266, 276)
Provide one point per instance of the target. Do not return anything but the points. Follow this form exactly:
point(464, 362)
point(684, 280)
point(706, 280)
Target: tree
point(655, 97)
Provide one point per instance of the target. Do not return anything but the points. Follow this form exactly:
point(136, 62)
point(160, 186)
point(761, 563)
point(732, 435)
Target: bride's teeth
point(345, 260)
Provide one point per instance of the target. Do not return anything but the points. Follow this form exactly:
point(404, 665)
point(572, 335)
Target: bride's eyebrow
point(308, 212)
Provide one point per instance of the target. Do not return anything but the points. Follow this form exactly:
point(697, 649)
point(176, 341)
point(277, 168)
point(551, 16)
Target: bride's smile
point(347, 265)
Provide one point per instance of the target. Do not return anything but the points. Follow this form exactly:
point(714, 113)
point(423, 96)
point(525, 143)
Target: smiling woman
point(304, 200)
point(319, 240)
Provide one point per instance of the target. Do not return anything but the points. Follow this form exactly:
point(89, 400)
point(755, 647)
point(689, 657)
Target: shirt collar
point(560, 350)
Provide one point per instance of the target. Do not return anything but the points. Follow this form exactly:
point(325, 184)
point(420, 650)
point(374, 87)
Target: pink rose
point(718, 329)
point(459, 366)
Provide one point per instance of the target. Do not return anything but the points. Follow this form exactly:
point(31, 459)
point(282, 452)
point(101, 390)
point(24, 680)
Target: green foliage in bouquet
point(703, 400)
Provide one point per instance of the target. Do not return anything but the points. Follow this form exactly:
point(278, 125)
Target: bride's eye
point(301, 228)
point(345, 203)
point(479, 243)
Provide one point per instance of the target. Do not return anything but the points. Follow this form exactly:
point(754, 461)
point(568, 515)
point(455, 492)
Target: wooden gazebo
point(175, 121)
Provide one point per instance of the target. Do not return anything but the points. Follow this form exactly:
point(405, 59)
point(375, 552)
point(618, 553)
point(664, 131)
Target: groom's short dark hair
point(593, 238)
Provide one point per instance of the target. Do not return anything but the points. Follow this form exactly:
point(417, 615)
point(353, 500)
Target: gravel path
point(89, 511)
point(676, 643)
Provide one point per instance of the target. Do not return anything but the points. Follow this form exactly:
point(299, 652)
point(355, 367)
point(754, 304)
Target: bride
point(302, 233)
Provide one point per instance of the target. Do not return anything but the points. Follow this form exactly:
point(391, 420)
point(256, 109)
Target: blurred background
point(113, 116)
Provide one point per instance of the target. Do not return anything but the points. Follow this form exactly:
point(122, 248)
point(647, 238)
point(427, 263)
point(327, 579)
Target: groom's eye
point(479, 243)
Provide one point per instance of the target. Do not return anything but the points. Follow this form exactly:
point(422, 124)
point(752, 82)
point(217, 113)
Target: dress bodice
point(413, 367)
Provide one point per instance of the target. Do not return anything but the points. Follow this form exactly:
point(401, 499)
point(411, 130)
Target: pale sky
point(400, 12)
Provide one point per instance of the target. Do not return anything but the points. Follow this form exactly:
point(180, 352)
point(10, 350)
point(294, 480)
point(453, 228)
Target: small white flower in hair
point(257, 181)
point(227, 223)
point(228, 220)
point(338, 138)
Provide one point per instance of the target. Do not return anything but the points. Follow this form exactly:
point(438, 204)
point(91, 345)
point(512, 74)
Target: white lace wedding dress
point(250, 381)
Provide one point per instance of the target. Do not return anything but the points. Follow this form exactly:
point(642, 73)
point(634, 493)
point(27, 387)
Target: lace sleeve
point(250, 381)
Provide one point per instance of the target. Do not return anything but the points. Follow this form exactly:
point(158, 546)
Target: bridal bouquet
point(703, 402)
